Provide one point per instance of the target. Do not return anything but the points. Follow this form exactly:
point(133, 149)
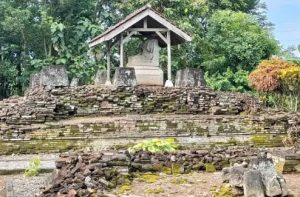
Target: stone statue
point(149, 57)
point(146, 65)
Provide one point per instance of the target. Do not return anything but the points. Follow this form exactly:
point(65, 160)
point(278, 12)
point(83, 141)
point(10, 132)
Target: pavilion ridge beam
point(169, 26)
point(120, 29)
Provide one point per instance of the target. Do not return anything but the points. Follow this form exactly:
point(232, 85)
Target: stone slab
point(125, 77)
point(190, 77)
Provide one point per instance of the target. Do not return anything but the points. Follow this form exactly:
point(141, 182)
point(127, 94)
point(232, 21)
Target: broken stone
point(100, 77)
point(54, 76)
point(74, 82)
point(125, 77)
point(253, 186)
point(190, 77)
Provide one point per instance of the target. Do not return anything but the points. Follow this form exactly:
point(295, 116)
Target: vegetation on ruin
point(157, 190)
point(223, 191)
point(34, 34)
point(210, 167)
point(148, 177)
point(155, 146)
point(34, 167)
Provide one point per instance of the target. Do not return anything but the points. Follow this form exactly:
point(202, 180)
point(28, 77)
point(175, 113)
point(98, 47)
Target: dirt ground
point(2, 187)
point(192, 185)
point(186, 185)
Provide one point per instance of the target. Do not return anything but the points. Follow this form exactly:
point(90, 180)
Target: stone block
point(54, 76)
point(190, 77)
point(125, 77)
point(100, 77)
point(253, 185)
point(147, 75)
point(74, 82)
point(35, 81)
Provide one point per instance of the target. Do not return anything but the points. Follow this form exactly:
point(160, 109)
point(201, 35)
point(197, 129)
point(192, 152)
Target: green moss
point(157, 190)
point(124, 189)
point(38, 146)
point(233, 141)
point(179, 181)
point(173, 170)
point(267, 140)
point(210, 167)
point(224, 191)
point(221, 129)
point(148, 177)
point(122, 146)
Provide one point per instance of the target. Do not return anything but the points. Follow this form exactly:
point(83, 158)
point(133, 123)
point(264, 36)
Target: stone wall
point(40, 106)
point(98, 117)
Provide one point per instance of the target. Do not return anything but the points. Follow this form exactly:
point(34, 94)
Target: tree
point(238, 40)
point(34, 34)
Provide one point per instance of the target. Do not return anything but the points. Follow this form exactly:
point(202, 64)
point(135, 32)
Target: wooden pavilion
point(143, 22)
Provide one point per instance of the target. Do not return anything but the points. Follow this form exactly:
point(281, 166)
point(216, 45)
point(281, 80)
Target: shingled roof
point(135, 20)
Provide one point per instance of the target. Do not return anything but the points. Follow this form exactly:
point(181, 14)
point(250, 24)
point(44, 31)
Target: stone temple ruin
point(215, 128)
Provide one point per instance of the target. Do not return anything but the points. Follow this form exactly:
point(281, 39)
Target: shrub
point(155, 146)
point(229, 81)
point(266, 77)
point(34, 167)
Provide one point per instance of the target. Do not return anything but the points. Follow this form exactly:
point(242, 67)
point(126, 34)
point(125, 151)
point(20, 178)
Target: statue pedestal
point(149, 75)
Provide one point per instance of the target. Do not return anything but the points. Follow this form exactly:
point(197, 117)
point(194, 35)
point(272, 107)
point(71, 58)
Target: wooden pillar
point(108, 80)
point(122, 51)
point(169, 82)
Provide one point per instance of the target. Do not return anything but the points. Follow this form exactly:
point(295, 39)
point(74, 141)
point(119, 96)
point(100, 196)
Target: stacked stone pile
point(259, 178)
point(86, 174)
point(91, 174)
point(186, 161)
point(40, 105)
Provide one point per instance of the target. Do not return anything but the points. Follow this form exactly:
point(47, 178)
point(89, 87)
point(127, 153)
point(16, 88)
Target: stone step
point(17, 164)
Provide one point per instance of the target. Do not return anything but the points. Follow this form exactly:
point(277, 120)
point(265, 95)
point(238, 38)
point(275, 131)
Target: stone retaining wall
point(93, 116)
point(40, 106)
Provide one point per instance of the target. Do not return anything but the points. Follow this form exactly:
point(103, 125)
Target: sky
point(285, 15)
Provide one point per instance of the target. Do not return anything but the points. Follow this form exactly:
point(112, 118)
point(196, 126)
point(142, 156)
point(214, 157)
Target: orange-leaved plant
point(265, 78)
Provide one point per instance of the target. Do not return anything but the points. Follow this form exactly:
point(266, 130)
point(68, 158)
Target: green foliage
point(34, 34)
point(34, 167)
point(229, 81)
point(238, 39)
point(155, 146)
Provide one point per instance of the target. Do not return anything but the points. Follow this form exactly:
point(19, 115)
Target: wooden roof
point(135, 20)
